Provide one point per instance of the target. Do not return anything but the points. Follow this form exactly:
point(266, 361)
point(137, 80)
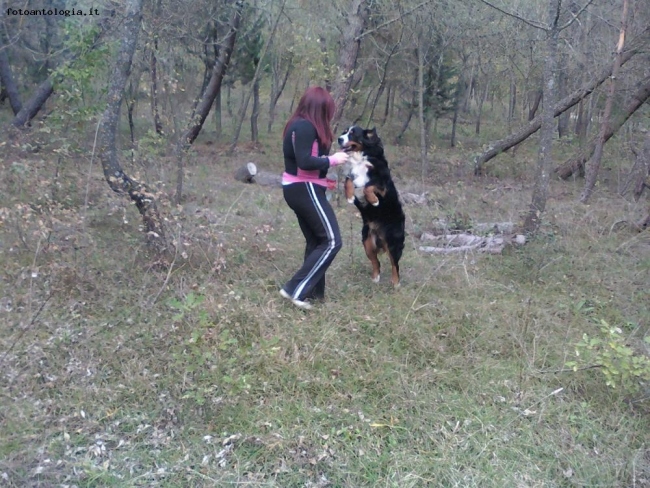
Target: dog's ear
point(370, 134)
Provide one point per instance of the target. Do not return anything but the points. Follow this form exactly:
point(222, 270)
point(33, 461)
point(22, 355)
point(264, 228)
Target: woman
point(307, 139)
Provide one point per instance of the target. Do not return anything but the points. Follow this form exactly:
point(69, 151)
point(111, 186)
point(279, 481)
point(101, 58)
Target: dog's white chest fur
point(359, 165)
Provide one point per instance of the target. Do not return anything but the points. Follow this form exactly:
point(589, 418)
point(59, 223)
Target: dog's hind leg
point(394, 279)
point(371, 251)
point(371, 196)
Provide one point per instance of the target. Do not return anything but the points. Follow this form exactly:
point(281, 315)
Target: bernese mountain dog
point(370, 187)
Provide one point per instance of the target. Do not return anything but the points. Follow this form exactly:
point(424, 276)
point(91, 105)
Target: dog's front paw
point(375, 204)
point(351, 200)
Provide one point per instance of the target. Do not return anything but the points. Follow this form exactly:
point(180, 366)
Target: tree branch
point(531, 23)
point(575, 17)
point(388, 22)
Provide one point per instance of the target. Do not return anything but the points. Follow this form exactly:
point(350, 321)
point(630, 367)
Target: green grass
point(118, 370)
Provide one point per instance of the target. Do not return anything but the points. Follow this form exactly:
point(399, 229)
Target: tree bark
point(534, 125)
point(255, 112)
point(594, 163)
point(537, 207)
point(479, 114)
point(117, 179)
point(422, 124)
point(155, 112)
point(563, 81)
point(533, 109)
point(32, 106)
point(349, 46)
point(577, 163)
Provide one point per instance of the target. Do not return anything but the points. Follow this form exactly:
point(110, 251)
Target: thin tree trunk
point(563, 82)
point(534, 125)
point(423, 129)
point(217, 114)
point(389, 94)
point(533, 219)
point(349, 46)
point(153, 65)
point(594, 163)
point(480, 105)
point(577, 163)
point(260, 63)
point(117, 179)
point(207, 98)
point(533, 109)
point(255, 112)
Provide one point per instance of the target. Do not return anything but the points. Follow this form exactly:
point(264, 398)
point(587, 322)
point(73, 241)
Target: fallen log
point(250, 174)
point(246, 173)
point(458, 243)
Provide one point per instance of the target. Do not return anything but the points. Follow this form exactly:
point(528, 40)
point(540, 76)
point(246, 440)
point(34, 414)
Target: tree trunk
point(534, 125)
point(217, 114)
point(120, 182)
point(563, 82)
point(255, 79)
point(357, 16)
point(6, 74)
point(423, 129)
point(32, 106)
point(207, 98)
point(153, 65)
point(479, 114)
point(594, 163)
point(533, 219)
point(255, 113)
point(577, 163)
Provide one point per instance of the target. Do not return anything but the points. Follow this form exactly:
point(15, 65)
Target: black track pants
point(322, 235)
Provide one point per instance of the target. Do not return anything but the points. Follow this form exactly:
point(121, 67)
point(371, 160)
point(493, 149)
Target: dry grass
point(118, 370)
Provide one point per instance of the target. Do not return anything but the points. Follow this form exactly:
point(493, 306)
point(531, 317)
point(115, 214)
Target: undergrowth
point(120, 369)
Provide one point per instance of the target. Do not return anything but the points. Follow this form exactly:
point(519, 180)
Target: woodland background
point(143, 341)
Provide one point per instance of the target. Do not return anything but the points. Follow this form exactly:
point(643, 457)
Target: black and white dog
point(370, 187)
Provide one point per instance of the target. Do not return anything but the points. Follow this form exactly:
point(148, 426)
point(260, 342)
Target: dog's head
point(365, 140)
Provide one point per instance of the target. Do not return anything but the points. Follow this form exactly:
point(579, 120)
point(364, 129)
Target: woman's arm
point(304, 135)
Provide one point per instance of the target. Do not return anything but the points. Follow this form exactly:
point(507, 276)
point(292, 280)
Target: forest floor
point(122, 369)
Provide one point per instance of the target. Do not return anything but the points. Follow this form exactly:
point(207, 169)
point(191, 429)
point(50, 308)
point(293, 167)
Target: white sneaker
point(298, 303)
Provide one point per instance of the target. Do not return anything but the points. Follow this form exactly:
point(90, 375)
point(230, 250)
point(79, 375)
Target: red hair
point(317, 106)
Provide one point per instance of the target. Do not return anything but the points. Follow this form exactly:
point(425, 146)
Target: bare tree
point(355, 22)
point(594, 163)
point(118, 180)
point(542, 177)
